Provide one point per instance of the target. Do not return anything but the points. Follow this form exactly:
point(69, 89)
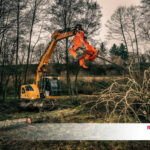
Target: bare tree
point(11, 40)
point(145, 20)
point(125, 24)
point(33, 11)
point(133, 17)
point(7, 42)
point(68, 13)
point(117, 26)
point(17, 41)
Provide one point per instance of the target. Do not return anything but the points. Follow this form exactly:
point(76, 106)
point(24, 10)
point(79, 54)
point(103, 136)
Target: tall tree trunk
point(137, 50)
point(136, 40)
point(67, 69)
point(131, 41)
point(3, 61)
point(30, 38)
point(122, 30)
point(67, 57)
point(76, 80)
point(17, 45)
point(2, 52)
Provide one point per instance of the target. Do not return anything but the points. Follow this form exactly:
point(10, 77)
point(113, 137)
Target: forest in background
point(24, 24)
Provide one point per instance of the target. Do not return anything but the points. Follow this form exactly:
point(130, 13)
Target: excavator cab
point(50, 86)
point(29, 91)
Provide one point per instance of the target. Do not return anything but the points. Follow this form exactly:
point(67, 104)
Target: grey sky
point(108, 8)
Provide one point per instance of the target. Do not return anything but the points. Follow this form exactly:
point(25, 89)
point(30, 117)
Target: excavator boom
point(56, 36)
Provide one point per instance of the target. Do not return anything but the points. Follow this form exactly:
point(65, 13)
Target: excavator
point(31, 94)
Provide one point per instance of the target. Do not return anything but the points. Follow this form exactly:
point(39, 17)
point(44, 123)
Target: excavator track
point(41, 104)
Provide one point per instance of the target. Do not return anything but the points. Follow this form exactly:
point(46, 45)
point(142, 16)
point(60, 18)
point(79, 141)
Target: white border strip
point(83, 131)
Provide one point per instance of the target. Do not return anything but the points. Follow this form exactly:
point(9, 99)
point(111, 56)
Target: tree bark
point(137, 49)
point(17, 47)
point(30, 38)
point(67, 70)
point(67, 57)
point(136, 40)
point(122, 30)
point(76, 81)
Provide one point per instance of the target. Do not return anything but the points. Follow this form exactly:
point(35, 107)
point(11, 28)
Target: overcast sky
point(108, 8)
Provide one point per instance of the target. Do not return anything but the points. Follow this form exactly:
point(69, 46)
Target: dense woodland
point(26, 27)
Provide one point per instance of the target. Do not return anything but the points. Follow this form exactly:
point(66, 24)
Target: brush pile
point(128, 100)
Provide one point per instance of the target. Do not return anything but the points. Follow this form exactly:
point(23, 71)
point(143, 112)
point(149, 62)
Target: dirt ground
point(71, 110)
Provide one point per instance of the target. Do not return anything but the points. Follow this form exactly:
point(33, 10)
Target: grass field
point(70, 109)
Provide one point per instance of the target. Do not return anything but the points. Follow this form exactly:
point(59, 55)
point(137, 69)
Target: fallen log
point(8, 123)
point(41, 117)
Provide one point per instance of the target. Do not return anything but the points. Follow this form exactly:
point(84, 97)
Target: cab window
point(29, 88)
point(23, 90)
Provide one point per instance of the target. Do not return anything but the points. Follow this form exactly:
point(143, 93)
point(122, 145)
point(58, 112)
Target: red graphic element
point(90, 53)
point(148, 127)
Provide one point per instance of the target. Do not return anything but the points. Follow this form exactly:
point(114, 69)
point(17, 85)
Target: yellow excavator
point(32, 92)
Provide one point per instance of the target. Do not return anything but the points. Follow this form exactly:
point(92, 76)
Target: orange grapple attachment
point(89, 56)
point(78, 41)
point(73, 53)
point(82, 63)
point(93, 57)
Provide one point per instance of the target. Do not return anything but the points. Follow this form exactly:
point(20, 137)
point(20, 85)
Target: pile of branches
point(129, 101)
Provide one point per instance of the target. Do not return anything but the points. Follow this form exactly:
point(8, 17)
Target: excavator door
point(30, 92)
point(50, 87)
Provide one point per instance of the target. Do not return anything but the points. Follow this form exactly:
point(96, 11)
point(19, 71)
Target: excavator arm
point(56, 36)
